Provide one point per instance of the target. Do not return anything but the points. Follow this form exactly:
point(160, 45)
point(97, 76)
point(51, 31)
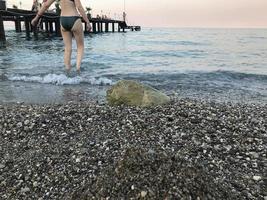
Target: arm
point(45, 6)
point(83, 14)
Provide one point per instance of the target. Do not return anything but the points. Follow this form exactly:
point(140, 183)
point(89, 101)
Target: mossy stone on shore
point(132, 93)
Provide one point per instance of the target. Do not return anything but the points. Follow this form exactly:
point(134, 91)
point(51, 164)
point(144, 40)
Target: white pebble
point(256, 178)
point(143, 194)
point(24, 190)
point(35, 184)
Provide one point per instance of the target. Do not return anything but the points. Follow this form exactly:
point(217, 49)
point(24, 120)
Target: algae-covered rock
point(132, 93)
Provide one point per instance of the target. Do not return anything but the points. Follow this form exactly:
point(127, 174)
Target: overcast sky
point(180, 13)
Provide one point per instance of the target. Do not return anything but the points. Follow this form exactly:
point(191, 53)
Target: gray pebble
point(24, 190)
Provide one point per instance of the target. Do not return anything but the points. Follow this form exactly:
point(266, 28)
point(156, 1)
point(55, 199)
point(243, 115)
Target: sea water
point(210, 64)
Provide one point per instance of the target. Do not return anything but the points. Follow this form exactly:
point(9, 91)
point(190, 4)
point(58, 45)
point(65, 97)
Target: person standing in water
point(71, 24)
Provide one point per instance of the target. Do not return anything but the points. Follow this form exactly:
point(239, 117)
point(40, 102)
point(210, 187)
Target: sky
point(180, 13)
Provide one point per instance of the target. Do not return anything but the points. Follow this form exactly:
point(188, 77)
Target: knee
point(80, 46)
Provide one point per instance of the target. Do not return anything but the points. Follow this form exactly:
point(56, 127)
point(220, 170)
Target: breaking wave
point(60, 79)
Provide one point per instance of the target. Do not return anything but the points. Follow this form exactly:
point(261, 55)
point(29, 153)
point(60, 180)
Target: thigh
point(67, 38)
point(77, 30)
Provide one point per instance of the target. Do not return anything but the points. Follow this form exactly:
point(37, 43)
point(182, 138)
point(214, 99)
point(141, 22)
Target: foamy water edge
point(60, 79)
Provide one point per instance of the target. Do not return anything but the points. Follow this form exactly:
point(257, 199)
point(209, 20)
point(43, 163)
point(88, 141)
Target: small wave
point(187, 76)
point(171, 53)
point(60, 79)
point(172, 42)
point(258, 37)
point(239, 75)
point(190, 43)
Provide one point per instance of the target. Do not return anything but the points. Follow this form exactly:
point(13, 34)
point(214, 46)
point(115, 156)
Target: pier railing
point(49, 23)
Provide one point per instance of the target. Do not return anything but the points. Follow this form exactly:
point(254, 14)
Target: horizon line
point(205, 27)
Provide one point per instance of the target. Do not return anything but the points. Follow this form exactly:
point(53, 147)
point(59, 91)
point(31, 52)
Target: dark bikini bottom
point(67, 22)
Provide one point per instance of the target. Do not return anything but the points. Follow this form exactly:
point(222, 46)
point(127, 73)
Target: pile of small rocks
point(188, 149)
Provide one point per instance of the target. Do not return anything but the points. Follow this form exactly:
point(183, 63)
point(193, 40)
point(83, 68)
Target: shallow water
point(214, 64)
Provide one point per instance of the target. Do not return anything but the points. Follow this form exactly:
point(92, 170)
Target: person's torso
point(68, 8)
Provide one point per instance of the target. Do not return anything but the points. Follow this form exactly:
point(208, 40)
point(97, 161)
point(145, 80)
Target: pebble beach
point(188, 149)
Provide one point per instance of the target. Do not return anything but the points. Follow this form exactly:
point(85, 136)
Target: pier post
point(2, 31)
point(113, 27)
point(35, 32)
point(101, 27)
point(94, 27)
point(57, 24)
point(42, 25)
point(46, 27)
point(27, 27)
point(19, 25)
point(106, 27)
point(98, 27)
point(2, 4)
point(51, 29)
point(2, 28)
point(85, 28)
point(16, 25)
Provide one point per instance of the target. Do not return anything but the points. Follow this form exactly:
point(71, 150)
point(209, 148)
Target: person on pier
point(35, 5)
point(71, 24)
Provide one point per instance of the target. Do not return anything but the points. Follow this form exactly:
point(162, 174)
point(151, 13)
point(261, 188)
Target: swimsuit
point(67, 22)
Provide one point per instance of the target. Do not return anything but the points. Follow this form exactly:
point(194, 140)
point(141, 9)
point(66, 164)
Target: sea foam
point(61, 79)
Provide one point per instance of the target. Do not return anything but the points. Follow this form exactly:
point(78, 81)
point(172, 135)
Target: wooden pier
point(50, 24)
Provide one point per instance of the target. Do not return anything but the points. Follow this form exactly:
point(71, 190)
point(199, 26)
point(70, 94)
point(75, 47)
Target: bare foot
point(79, 71)
point(67, 71)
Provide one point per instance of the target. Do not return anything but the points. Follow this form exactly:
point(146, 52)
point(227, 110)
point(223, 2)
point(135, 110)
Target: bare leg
point(79, 37)
point(67, 38)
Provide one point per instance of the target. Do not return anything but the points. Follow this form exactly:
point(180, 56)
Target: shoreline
point(186, 149)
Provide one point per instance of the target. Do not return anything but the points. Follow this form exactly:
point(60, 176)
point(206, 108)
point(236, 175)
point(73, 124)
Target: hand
point(88, 26)
point(35, 20)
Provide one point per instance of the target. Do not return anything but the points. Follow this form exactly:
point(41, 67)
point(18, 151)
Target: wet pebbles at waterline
point(185, 150)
